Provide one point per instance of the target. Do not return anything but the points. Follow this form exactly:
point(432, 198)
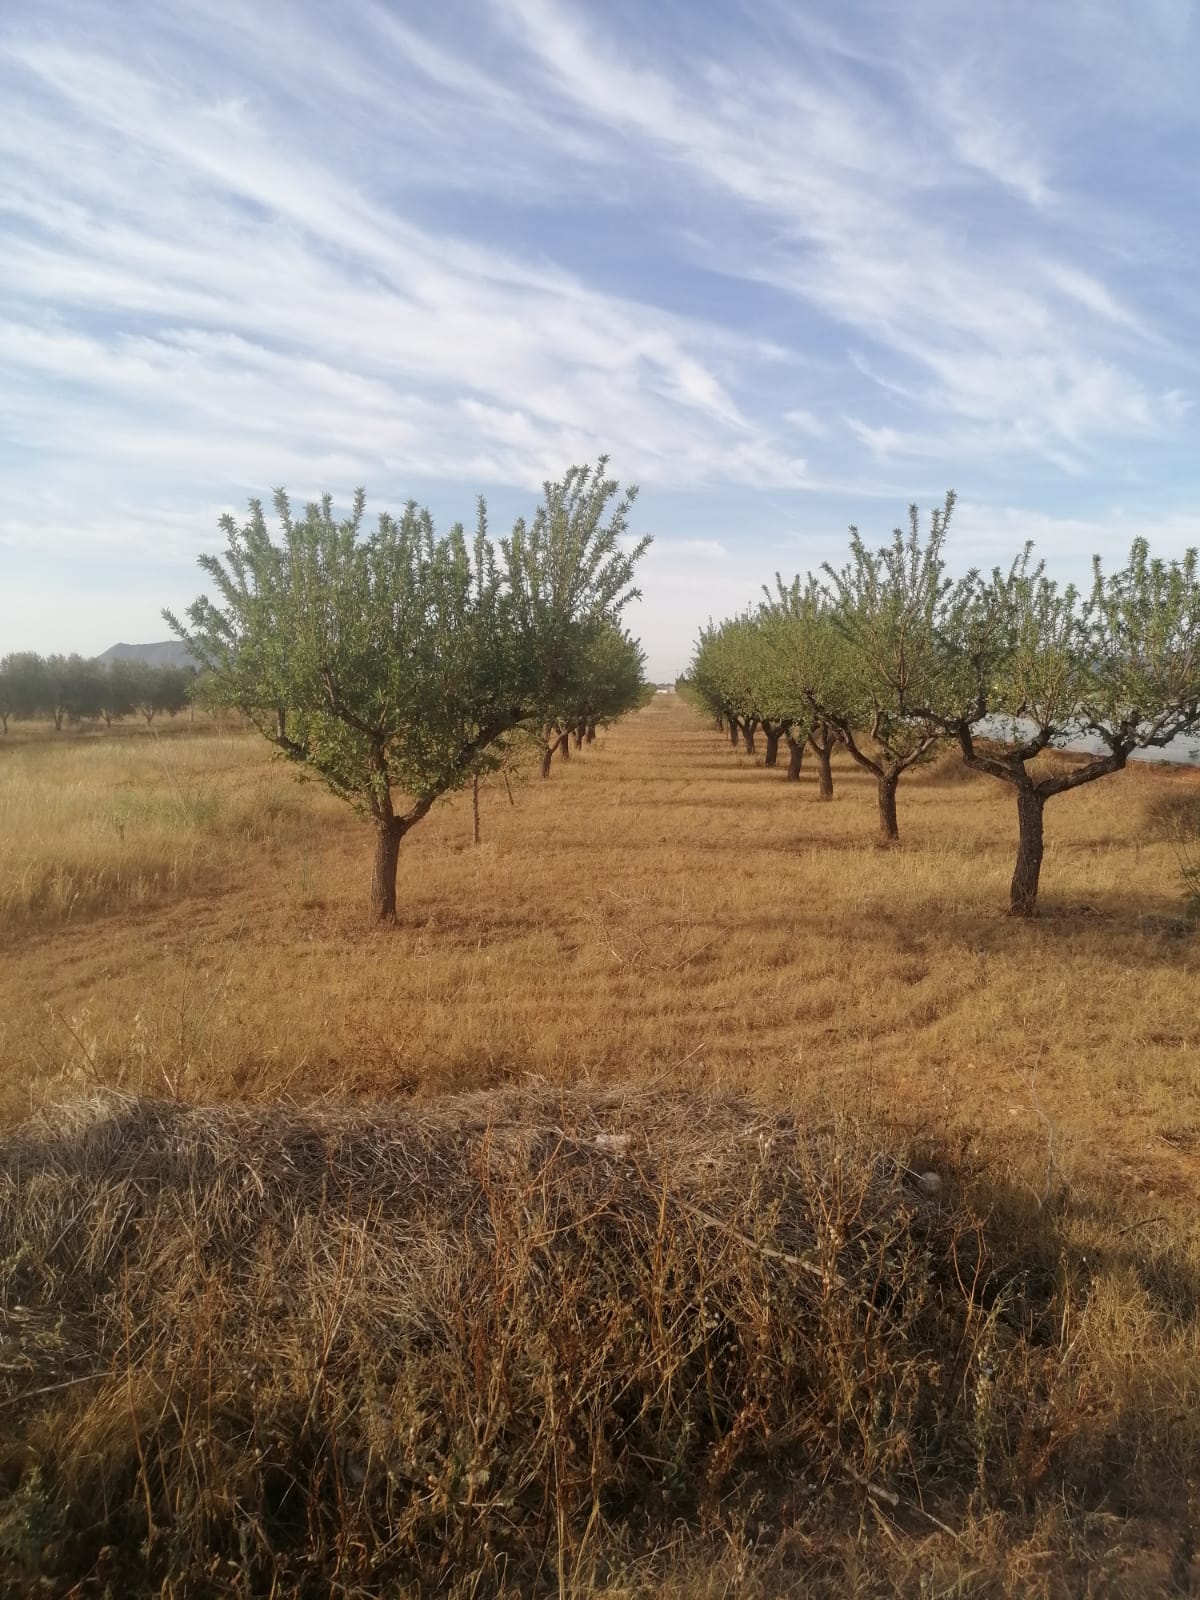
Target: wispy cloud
point(763, 256)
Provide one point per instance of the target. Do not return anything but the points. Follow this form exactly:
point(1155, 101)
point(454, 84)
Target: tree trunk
point(475, 809)
point(383, 878)
point(547, 758)
point(579, 736)
point(58, 719)
point(824, 753)
point(772, 755)
point(564, 745)
point(889, 830)
point(748, 736)
point(733, 732)
point(4, 720)
point(1024, 891)
point(591, 733)
point(795, 757)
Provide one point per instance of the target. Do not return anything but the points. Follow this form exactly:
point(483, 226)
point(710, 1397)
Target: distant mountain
point(168, 653)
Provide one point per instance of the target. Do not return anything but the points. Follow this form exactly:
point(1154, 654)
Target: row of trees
point(76, 689)
point(609, 680)
point(892, 658)
point(395, 664)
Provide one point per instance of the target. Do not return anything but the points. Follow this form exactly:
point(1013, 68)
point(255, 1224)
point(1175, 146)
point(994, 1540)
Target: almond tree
point(878, 695)
point(1029, 667)
point(806, 658)
point(723, 675)
point(388, 662)
point(702, 682)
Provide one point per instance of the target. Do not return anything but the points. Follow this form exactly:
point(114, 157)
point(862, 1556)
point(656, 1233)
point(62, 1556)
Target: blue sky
point(791, 266)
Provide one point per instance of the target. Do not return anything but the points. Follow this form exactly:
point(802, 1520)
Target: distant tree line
point(74, 689)
point(892, 659)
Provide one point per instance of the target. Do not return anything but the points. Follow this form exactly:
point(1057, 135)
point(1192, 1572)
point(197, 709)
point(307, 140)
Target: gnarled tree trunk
point(823, 748)
point(564, 744)
point(591, 733)
point(1024, 889)
point(388, 834)
point(579, 736)
point(733, 732)
point(748, 728)
point(547, 758)
point(795, 757)
point(772, 732)
point(889, 828)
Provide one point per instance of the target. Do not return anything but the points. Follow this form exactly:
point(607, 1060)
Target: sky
point(790, 266)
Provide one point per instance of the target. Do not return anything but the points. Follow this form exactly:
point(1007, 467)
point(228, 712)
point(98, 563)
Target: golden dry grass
point(184, 916)
point(179, 918)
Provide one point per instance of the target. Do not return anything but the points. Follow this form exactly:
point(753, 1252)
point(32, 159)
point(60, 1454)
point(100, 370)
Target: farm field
point(180, 919)
point(181, 915)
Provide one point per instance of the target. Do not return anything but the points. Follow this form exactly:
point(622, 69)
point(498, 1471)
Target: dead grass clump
point(494, 1342)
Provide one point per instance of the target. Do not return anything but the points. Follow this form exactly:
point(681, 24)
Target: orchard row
point(891, 658)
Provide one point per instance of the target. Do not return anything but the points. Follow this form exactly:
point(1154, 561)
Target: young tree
point(886, 605)
point(1029, 667)
point(388, 662)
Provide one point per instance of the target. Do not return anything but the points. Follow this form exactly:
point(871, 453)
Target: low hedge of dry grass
point(508, 1343)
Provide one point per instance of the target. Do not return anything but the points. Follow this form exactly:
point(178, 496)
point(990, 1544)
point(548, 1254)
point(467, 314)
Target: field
point(181, 919)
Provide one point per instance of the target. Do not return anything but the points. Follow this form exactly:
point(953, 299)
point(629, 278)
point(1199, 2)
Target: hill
point(166, 653)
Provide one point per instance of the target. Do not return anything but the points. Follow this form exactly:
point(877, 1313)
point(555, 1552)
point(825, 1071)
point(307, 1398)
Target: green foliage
point(1047, 665)
point(607, 678)
point(809, 661)
point(726, 669)
point(886, 606)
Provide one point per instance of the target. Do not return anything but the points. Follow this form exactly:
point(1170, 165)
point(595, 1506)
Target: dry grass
point(661, 911)
point(504, 1343)
point(107, 825)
